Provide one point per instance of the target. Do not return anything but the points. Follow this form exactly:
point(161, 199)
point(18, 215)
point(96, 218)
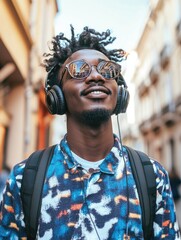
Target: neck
point(90, 143)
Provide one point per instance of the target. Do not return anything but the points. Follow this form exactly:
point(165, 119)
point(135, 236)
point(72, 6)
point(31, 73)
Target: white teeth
point(96, 92)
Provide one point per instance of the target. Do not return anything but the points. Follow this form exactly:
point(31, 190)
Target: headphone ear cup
point(55, 100)
point(122, 100)
point(125, 100)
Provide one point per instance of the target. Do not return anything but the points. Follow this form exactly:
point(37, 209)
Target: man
point(89, 190)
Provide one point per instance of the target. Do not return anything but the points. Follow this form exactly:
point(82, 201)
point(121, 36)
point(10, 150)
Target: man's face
point(91, 93)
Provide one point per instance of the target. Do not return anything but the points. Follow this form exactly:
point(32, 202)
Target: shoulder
point(159, 169)
point(18, 170)
point(16, 175)
point(162, 180)
point(161, 173)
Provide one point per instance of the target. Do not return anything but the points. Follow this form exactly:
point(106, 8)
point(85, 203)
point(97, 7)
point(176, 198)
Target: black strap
point(145, 179)
point(31, 188)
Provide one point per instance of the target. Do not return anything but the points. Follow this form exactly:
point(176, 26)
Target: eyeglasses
point(80, 69)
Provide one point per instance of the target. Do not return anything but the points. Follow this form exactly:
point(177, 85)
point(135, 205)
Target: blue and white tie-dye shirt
point(81, 205)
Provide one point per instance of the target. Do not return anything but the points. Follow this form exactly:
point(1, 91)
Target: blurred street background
point(150, 30)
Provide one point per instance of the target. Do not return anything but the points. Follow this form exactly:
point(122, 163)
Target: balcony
point(143, 89)
point(154, 73)
point(170, 119)
point(169, 115)
point(145, 127)
point(178, 32)
point(178, 105)
point(156, 123)
point(165, 55)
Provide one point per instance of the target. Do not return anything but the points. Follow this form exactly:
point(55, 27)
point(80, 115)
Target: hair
point(61, 47)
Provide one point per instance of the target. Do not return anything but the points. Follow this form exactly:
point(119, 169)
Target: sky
point(125, 18)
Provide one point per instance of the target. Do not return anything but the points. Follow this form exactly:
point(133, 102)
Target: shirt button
point(91, 170)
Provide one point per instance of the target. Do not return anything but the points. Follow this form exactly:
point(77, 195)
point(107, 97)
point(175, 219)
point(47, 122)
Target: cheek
point(115, 95)
point(71, 96)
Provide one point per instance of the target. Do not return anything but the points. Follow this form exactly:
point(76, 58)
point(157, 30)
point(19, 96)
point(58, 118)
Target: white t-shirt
point(87, 165)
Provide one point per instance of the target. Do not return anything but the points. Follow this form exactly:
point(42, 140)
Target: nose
point(94, 76)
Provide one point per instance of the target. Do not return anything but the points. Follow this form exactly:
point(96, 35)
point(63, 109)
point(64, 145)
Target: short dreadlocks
point(62, 47)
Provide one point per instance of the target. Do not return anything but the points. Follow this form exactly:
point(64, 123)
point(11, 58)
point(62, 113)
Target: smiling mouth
point(96, 91)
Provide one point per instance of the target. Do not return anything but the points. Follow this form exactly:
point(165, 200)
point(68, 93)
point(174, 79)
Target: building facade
point(157, 84)
point(25, 28)
point(157, 81)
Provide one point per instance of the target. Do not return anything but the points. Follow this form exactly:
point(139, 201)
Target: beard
point(94, 118)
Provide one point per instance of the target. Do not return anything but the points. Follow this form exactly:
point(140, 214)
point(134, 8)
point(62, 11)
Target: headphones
point(56, 102)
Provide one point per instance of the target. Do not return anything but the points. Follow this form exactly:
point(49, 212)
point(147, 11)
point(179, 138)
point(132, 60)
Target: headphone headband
point(52, 76)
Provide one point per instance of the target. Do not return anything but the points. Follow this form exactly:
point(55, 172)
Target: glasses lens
point(79, 69)
point(108, 69)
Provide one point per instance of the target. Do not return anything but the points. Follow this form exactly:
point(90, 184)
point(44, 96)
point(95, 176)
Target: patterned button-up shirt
point(81, 205)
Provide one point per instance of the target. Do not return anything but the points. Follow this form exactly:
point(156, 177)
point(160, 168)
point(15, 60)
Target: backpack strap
point(145, 179)
point(31, 187)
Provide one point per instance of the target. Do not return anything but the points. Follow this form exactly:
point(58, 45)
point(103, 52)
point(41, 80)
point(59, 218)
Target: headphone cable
point(85, 201)
point(127, 189)
point(126, 170)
